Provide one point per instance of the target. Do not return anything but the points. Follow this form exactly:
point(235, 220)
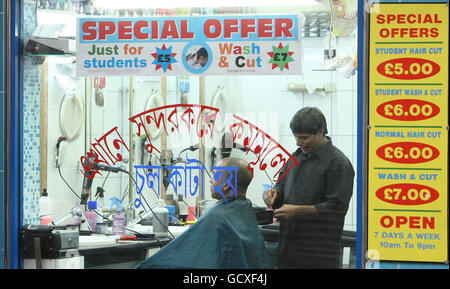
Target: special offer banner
point(194, 45)
point(408, 135)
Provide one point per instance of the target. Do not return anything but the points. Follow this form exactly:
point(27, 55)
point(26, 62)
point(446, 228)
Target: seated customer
point(226, 236)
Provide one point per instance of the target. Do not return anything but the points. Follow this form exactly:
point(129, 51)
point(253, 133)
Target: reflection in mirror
point(154, 101)
point(71, 116)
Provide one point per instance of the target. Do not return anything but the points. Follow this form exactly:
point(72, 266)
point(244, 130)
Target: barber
point(312, 199)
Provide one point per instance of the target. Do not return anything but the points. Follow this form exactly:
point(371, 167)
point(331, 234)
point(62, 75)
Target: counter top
point(122, 254)
point(101, 250)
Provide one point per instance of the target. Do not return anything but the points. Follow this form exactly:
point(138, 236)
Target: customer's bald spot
point(244, 176)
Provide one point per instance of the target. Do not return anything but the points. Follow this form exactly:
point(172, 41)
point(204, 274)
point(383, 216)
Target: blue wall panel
point(2, 138)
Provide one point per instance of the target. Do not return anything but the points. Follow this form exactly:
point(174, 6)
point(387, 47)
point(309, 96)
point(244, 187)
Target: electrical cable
point(150, 208)
point(206, 169)
point(166, 228)
point(125, 193)
point(59, 170)
point(105, 180)
point(157, 196)
point(60, 174)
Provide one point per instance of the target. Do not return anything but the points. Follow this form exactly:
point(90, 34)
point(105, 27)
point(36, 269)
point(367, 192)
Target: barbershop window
point(88, 151)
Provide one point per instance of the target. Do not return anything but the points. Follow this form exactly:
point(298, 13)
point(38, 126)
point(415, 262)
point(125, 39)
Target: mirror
point(219, 101)
point(71, 116)
point(154, 100)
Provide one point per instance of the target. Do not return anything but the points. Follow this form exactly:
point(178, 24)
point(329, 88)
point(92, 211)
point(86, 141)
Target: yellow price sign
point(408, 139)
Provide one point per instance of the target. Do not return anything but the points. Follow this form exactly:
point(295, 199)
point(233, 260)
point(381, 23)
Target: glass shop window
point(89, 147)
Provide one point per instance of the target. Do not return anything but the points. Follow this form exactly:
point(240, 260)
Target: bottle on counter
point(183, 209)
point(170, 201)
point(45, 208)
point(91, 215)
point(129, 215)
point(119, 220)
point(160, 219)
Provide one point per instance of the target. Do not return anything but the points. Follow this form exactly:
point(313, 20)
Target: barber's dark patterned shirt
point(323, 179)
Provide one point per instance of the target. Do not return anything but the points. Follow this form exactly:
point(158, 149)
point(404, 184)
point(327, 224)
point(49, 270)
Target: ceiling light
point(142, 4)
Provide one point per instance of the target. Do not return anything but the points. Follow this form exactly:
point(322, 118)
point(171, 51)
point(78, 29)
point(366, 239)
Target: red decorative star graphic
point(280, 57)
point(155, 55)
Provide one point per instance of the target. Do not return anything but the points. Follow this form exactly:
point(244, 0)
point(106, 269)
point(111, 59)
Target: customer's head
point(226, 178)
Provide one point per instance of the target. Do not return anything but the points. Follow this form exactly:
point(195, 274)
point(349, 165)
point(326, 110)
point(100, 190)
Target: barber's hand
point(269, 197)
point(286, 211)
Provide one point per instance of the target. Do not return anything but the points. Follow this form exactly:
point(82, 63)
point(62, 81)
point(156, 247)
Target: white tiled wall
point(63, 198)
point(262, 100)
